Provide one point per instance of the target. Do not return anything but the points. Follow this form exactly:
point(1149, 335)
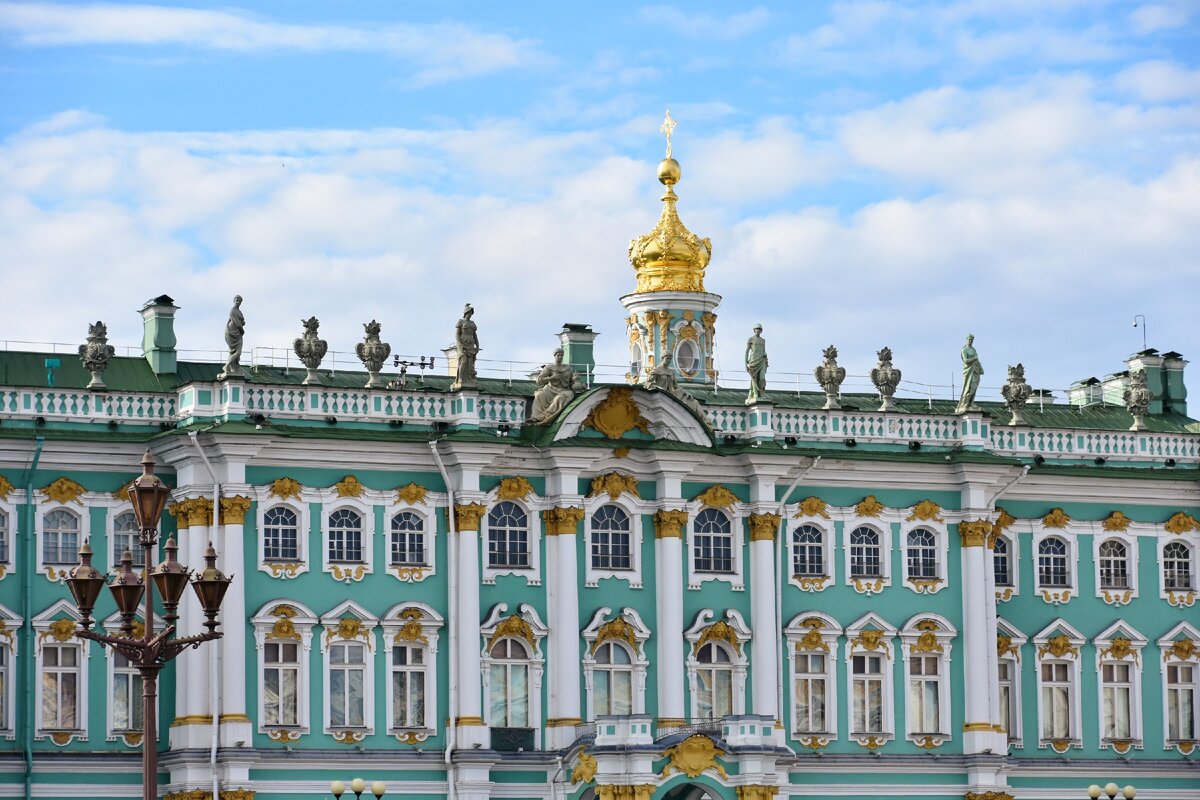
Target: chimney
point(577, 348)
point(158, 334)
point(1175, 399)
point(1152, 362)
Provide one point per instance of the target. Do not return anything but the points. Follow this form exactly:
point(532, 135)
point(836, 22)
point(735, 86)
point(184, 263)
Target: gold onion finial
point(670, 257)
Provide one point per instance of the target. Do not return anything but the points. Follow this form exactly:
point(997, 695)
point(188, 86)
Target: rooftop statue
point(235, 330)
point(466, 345)
point(756, 365)
point(662, 378)
point(1016, 393)
point(310, 349)
point(1137, 399)
point(557, 385)
point(972, 372)
point(96, 353)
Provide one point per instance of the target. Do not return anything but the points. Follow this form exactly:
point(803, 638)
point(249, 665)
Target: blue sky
point(870, 173)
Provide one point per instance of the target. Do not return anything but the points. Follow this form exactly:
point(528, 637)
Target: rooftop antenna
point(1142, 317)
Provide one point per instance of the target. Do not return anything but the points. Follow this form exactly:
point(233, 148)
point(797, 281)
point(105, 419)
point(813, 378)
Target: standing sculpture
point(310, 349)
point(96, 353)
point(830, 376)
point(1137, 399)
point(372, 353)
point(662, 378)
point(466, 346)
point(1016, 393)
point(756, 365)
point(557, 385)
point(886, 378)
point(235, 330)
point(972, 372)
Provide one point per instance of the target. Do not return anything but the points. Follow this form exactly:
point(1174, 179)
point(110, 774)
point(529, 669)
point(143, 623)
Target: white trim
point(639, 663)
point(430, 622)
point(944, 634)
point(41, 627)
point(1166, 647)
point(1012, 590)
point(349, 571)
point(330, 636)
point(634, 510)
point(941, 544)
point(830, 631)
point(300, 508)
point(886, 651)
point(427, 510)
point(1056, 595)
point(536, 663)
point(11, 509)
point(668, 418)
point(56, 573)
point(884, 529)
point(1074, 661)
point(1117, 597)
point(1102, 642)
point(1179, 598)
point(1019, 640)
point(303, 622)
point(10, 640)
point(736, 514)
point(739, 657)
point(533, 507)
point(828, 545)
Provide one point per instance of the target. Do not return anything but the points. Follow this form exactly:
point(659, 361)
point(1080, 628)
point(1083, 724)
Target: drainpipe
point(452, 607)
point(27, 677)
point(214, 664)
point(1009, 485)
point(781, 563)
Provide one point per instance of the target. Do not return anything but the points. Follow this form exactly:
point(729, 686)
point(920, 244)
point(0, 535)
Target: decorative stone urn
point(310, 349)
point(96, 353)
point(886, 378)
point(372, 353)
point(1137, 399)
point(1016, 393)
point(830, 376)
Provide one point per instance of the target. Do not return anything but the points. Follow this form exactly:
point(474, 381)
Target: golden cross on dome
point(668, 127)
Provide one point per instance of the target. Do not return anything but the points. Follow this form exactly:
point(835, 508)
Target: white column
point(235, 723)
point(469, 719)
point(978, 733)
point(563, 615)
point(764, 626)
point(668, 584)
point(192, 714)
point(1000, 736)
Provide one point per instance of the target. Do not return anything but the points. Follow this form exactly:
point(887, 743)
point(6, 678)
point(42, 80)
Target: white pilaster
point(469, 719)
point(764, 664)
point(193, 715)
point(563, 615)
point(668, 551)
point(235, 724)
point(978, 733)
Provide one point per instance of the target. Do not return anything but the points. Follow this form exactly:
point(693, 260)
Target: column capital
point(640, 792)
point(468, 515)
point(233, 510)
point(757, 792)
point(562, 521)
point(192, 511)
point(763, 527)
point(669, 524)
point(974, 534)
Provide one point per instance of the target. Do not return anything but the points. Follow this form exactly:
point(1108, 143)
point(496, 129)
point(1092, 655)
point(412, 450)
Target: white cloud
point(1159, 81)
point(675, 21)
point(439, 52)
point(1153, 17)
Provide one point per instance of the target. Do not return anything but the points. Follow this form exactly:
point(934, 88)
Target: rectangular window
point(1009, 705)
point(508, 547)
point(867, 694)
point(60, 687)
point(924, 683)
point(408, 686)
point(1002, 563)
point(60, 547)
point(127, 694)
point(611, 550)
point(810, 690)
point(1181, 702)
point(1056, 701)
point(3, 538)
point(714, 552)
point(408, 548)
point(347, 678)
point(345, 545)
point(612, 691)
point(4, 723)
point(281, 681)
point(1118, 700)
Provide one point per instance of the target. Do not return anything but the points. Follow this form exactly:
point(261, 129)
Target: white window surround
point(56, 573)
point(1014, 565)
point(883, 529)
point(1060, 643)
point(1188, 655)
point(1117, 597)
point(606, 627)
point(1180, 598)
point(928, 635)
point(1012, 654)
point(941, 539)
point(11, 507)
point(814, 632)
point(52, 631)
point(283, 621)
point(527, 627)
point(634, 509)
point(9, 639)
point(533, 506)
point(1056, 595)
point(349, 571)
point(427, 509)
point(298, 506)
point(349, 623)
point(733, 634)
point(828, 531)
point(870, 634)
point(112, 626)
point(737, 513)
point(1128, 652)
point(413, 624)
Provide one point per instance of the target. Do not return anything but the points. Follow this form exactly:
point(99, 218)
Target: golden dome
point(670, 257)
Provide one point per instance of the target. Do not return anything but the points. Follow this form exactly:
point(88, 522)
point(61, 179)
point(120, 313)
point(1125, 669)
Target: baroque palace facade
point(482, 588)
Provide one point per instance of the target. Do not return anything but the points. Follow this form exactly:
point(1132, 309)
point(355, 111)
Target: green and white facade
point(634, 601)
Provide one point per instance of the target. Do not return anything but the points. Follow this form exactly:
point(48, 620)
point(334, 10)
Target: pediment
point(633, 413)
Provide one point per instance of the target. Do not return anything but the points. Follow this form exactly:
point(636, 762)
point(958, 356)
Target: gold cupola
point(670, 257)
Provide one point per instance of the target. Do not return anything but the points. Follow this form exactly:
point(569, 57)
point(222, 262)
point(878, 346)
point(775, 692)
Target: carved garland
point(1183, 649)
point(1120, 649)
point(618, 629)
point(1058, 646)
point(870, 640)
point(1057, 518)
point(870, 507)
point(813, 507)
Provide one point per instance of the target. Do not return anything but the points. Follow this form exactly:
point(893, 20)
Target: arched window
point(687, 357)
point(509, 684)
point(125, 537)
point(1177, 567)
point(1114, 565)
point(3, 540)
point(281, 535)
point(714, 541)
point(611, 539)
point(922, 554)
point(808, 551)
point(508, 536)
point(1052, 562)
point(60, 537)
point(865, 557)
point(612, 680)
point(1002, 566)
point(714, 682)
point(345, 536)
point(408, 539)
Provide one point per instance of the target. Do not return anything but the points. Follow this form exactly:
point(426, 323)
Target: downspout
point(214, 652)
point(781, 563)
point(452, 608)
point(1009, 485)
point(27, 623)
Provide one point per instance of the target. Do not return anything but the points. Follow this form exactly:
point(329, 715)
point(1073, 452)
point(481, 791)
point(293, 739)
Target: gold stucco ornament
point(813, 507)
point(1181, 523)
point(693, 756)
point(1057, 518)
point(1116, 521)
point(614, 484)
point(720, 631)
point(283, 488)
point(869, 507)
point(617, 414)
point(517, 488)
point(585, 769)
point(716, 496)
point(411, 493)
point(515, 626)
point(926, 511)
point(616, 629)
point(63, 490)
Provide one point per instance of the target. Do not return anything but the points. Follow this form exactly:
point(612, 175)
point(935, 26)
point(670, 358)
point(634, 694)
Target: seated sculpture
point(557, 385)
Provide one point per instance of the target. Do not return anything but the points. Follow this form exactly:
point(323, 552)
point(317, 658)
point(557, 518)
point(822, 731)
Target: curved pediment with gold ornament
point(631, 414)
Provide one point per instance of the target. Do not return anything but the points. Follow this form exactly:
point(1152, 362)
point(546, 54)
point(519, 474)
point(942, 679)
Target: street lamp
point(1112, 790)
point(151, 651)
point(358, 786)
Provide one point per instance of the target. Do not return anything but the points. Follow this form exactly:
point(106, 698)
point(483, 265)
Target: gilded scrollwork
point(925, 511)
point(614, 484)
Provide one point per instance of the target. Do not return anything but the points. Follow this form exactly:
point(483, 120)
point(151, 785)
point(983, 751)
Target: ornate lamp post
point(151, 651)
point(1112, 790)
point(358, 786)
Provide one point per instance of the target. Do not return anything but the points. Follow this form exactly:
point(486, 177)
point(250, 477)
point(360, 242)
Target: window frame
point(335, 633)
point(1172, 656)
point(532, 573)
point(859, 643)
point(10, 642)
point(699, 635)
point(1112, 595)
point(1106, 655)
point(828, 544)
point(10, 506)
point(407, 572)
point(1012, 657)
point(1053, 594)
point(633, 576)
point(1179, 598)
point(808, 633)
point(43, 626)
point(56, 573)
point(131, 737)
point(349, 570)
point(1073, 660)
point(299, 629)
point(937, 581)
point(866, 584)
point(1012, 542)
point(735, 513)
point(491, 633)
point(916, 642)
point(406, 624)
point(266, 499)
point(605, 628)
